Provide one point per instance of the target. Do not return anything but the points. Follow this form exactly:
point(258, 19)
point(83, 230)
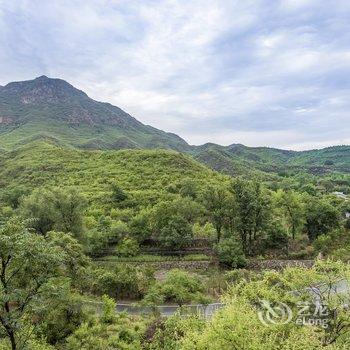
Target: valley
point(97, 209)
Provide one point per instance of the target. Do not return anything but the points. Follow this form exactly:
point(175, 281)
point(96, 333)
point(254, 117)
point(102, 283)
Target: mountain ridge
point(53, 109)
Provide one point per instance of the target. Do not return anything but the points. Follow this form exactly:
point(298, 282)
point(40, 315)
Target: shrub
point(125, 281)
point(347, 224)
point(342, 254)
point(176, 234)
point(179, 287)
point(277, 237)
point(118, 229)
point(205, 231)
point(128, 247)
point(322, 244)
point(118, 195)
point(230, 253)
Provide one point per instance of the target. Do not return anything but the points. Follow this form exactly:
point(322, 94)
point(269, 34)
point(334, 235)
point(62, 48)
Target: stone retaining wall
point(168, 265)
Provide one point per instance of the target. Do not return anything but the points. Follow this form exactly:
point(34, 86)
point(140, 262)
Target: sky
point(258, 72)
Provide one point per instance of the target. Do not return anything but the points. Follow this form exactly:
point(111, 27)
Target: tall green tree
point(55, 209)
point(252, 212)
point(28, 263)
point(217, 201)
point(321, 217)
point(292, 207)
point(171, 221)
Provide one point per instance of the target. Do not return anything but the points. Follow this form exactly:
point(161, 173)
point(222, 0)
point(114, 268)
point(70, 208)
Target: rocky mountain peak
point(43, 89)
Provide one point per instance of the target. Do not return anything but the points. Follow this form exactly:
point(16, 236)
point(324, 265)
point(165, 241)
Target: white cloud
point(221, 71)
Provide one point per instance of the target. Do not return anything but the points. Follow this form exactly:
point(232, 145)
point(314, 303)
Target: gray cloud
point(256, 72)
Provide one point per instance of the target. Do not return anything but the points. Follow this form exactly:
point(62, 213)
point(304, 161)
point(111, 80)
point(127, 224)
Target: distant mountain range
point(52, 109)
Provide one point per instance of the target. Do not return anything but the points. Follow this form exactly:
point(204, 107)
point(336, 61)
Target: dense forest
point(79, 230)
point(86, 227)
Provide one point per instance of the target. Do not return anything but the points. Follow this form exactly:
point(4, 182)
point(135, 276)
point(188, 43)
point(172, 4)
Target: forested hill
point(54, 110)
point(147, 175)
point(237, 159)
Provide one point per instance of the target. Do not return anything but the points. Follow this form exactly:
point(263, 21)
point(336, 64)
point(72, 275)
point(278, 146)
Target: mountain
point(54, 110)
point(238, 159)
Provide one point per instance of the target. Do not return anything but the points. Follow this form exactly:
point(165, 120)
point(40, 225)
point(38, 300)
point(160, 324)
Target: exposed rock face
point(43, 89)
point(60, 100)
point(57, 108)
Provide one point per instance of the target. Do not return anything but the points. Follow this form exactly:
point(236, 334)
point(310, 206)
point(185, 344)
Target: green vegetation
point(326, 168)
point(114, 201)
point(83, 230)
point(53, 110)
point(237, 326)
point(179, 287)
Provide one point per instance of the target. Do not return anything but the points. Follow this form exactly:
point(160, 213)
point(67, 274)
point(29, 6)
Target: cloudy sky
point(257, 72)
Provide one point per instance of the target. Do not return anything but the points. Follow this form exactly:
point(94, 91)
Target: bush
point(302, 254)
point(125, 281)
point(342, 254)
point(322, 244)
point(179, 287)
point(96, 242)
point(277, 236)
point(230, 253)
point(128, 247)
point(347, 224)
point(118, 229)
point(206, 231)
point(118, 195)
point(176, 234)
point(236, 276)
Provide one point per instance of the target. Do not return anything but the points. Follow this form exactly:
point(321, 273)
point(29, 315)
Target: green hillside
point(52, 109)
point(337, 157)
point(145, 174)
point(266, 162)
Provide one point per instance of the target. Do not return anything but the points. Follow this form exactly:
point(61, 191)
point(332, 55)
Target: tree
point(27, 265)
point(55, 210)
point(176, 233)
point(171, 221)
point(217, 201)
point(252, 212)
point(59, 315)
point(128, 247)
point(108, 331)
point(290, 202)
point(118, 195)
point(75, 262)
point(238, 326)
point(321, 217)
point(13, 195)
